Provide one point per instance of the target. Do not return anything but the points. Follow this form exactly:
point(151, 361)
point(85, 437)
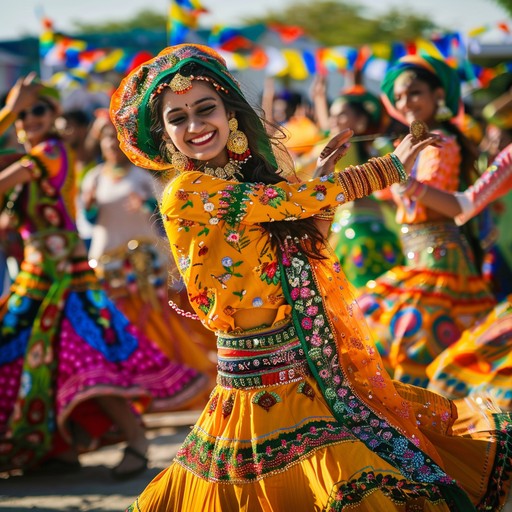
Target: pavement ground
point(92, 489)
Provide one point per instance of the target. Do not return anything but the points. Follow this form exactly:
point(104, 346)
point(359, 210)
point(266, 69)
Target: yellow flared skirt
point(279, 449)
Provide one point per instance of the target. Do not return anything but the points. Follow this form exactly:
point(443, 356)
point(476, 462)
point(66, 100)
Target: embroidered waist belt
point(34, 280)
point(258, 360)
point(429, 235)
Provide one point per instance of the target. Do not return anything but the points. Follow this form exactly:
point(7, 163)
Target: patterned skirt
point(63, 343)
point(267, 441)
point(480, 363)
point(135, 279)
point(365, 246)
point(418, 310)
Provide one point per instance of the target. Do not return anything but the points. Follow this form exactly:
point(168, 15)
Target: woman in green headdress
point(417, 310)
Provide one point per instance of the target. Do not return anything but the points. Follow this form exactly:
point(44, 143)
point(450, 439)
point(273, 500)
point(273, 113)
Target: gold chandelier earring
point(177, 159)
point(443, 113)
point(237, 145)
point(21, 136)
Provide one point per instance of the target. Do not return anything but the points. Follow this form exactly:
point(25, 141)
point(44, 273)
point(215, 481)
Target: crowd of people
point(314, 277)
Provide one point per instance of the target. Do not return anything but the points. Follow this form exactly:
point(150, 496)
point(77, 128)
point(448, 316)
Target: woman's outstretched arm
point(494, 183)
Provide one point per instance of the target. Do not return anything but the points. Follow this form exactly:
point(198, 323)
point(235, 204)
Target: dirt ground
point(92, 489)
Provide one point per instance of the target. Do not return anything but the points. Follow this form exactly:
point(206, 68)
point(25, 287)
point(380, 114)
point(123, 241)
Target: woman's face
point(342, 115)
point(109, 145)
point(415, 99)
point(495, 140)
point(36, 121)
point(197, 123)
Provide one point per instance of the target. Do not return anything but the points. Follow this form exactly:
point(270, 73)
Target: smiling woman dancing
point(303, 417)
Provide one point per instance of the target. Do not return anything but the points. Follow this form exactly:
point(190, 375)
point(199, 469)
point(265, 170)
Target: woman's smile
point(203, 139)
point(197, 123)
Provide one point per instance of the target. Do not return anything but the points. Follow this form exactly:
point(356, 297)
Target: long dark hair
point(260, 168)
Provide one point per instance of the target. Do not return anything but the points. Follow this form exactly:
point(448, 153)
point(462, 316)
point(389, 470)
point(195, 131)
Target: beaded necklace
point(227, 172)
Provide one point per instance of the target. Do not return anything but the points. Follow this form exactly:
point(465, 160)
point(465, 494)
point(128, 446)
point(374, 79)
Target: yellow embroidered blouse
point(221, 250)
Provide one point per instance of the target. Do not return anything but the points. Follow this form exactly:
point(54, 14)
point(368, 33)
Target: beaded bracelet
point(399, 167)
point(182, 312)
point(28, 163)
point(413, 189)
point(419, 191)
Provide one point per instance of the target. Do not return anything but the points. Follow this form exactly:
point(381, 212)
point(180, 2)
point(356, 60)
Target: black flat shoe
point(142, 466)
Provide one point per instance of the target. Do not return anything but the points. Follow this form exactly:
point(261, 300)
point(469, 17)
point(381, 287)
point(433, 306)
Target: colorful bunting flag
point(504, 27)
point(258, 58)
point(428, 47)
point(47, 37)
point(296, 67)
point(287, 33)
point(241, 49)
point(183, 17)
point(478, 31)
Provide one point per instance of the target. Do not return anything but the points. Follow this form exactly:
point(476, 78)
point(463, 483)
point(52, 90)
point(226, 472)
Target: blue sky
point(20, 17)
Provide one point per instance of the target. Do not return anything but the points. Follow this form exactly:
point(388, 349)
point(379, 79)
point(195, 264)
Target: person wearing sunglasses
point(73, 369)
point(38, 110)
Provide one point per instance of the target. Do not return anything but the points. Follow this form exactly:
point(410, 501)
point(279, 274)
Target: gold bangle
point(373, 179)
point(327, 214)
point(376, 172)
point(356, 174)
point(390, 172)
point(367, 188)
point(343, 185)
point(350, 179)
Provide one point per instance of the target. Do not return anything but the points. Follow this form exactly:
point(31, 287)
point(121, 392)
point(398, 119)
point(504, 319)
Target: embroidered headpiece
point(447, 76)
point(129, 106)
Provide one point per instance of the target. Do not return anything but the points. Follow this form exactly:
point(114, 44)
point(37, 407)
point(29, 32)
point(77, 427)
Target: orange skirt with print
point(417, 311)
point(267, 442)
point(480, 363)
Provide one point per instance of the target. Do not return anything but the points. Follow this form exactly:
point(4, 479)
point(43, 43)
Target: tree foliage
point(505, 4)
point(329, 22)
point(342, 23)
point(145, 19)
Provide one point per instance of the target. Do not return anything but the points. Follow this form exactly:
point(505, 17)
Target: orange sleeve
point(7, 118)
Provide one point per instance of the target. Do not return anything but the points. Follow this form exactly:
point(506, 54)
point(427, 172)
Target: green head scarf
point(367, 101)
point(446, 75)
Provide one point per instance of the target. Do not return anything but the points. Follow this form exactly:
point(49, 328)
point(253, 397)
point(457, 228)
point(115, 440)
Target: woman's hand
point(23, 93)
point(318, 89)
point(408, 149)
point(333, 151)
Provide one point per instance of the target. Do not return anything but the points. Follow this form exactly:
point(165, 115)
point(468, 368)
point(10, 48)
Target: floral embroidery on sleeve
point(204, 300)
point(272, 195)
point(200, 198)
